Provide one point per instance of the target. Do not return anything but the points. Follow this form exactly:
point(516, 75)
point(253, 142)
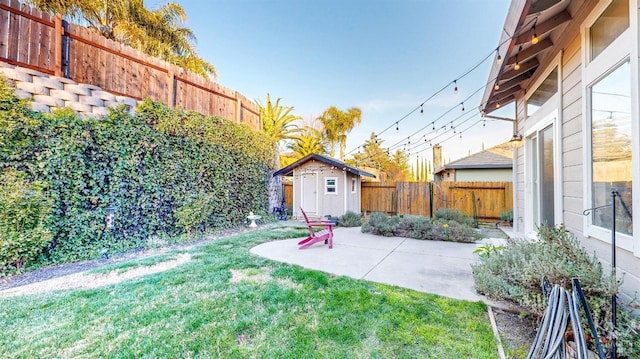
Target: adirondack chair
point(325, 234)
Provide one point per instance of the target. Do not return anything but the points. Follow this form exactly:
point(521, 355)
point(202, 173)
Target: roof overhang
point(522, 61)
point(288, 170)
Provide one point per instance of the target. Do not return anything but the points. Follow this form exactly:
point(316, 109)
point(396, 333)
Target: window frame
point(354, 185)
point(334, 186)
point(593, 70)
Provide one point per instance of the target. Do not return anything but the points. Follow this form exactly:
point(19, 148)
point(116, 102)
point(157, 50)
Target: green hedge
point(167, 172)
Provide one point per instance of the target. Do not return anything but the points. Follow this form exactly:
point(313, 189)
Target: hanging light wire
point(420, 106)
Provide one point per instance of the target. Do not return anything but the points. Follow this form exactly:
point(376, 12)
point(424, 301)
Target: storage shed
point(324, 186)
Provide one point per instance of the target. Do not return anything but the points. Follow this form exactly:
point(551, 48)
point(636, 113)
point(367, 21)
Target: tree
point(372, 155)
point(398, 169)
point(307, 142)
point(278, 123)
point(156, 32)
point(337, 124)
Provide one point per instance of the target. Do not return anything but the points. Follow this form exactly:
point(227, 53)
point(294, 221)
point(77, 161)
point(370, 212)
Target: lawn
point(226, 303)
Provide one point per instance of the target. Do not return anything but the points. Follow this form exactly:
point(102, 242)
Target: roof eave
point(515, 17)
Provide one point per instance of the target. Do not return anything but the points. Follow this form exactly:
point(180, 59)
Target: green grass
point(275, 311)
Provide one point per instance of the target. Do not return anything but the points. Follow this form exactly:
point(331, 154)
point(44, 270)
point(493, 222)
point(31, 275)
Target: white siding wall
point(573, 161)
point(484, 175)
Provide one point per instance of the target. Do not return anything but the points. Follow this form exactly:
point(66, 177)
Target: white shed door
point(310, 193)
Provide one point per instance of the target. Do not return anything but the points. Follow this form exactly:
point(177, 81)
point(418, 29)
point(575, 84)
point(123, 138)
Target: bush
point(381, 224)
point(23, 211)
point(166, 171)
point(419, 227)
point(507, 216)
point(350, 219)
point(450, 214)
point(514, 274)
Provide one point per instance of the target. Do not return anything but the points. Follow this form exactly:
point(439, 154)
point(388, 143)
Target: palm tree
point(155, 32)
point(337, 124)
point(278, 123)
point(308, 142)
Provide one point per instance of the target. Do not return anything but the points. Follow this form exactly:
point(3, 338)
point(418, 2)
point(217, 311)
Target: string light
point(455, 89)
point(499, 60)
point(462, 104)
point(517, 65)
point(534, 38)
point(496, 86)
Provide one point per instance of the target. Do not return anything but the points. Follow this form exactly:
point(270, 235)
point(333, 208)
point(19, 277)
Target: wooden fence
point(481, 200)
point(32, 39)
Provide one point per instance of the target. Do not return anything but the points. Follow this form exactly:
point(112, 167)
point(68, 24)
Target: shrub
point(450, 214)
point(507, 216)
point(350, 219)
point(166, 171)
point(419, 227)
point(514, 274)
point(381, 224)
point(24, 209)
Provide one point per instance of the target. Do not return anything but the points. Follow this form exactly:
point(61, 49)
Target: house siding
point(573, 161)
point(327, 204)
point(484, 175)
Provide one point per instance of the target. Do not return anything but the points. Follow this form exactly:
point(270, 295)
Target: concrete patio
point(437, 267)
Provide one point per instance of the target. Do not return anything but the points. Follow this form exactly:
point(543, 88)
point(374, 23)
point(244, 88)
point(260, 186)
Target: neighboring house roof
point(499, 156)
point(287, 171)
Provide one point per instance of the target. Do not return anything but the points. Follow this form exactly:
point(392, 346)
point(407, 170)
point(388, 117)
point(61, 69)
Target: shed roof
point(288, 170)
point(499, 156)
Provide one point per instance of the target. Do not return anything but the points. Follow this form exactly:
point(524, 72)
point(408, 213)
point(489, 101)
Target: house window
point(611, 142)
point(610, 120)
point(541, 180)
point(543, 93)
point(354, 186)
point(331, 185)
point(609, 26)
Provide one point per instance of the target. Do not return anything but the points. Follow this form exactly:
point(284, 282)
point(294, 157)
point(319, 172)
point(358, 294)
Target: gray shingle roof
point(286, 171)
point(499, 156)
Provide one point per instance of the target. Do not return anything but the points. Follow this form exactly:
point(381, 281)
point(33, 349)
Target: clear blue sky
point(385, 57)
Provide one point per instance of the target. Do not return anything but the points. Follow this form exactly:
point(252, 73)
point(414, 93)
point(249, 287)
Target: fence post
point(58, 33)
point(171, 88)
point(238, 109)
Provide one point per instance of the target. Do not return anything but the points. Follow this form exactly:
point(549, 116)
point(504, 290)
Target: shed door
point(310, 193)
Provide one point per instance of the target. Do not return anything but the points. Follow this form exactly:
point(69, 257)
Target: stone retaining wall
point(48, 92)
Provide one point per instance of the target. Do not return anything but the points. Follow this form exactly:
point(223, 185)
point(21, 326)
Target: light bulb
point(499, 60)
point(496, 86)
point(517, 66)
point(534, 39)
point(498, 105)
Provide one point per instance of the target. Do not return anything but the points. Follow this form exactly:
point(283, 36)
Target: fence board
point(4, 30)
point(486, 200)
point(28, 38)
point(379, 197)
point(14, 28)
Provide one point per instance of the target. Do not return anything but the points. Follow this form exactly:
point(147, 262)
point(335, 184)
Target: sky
point(385, 57)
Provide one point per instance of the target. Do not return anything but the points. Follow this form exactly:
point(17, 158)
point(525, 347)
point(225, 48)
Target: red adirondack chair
point(325, 234)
